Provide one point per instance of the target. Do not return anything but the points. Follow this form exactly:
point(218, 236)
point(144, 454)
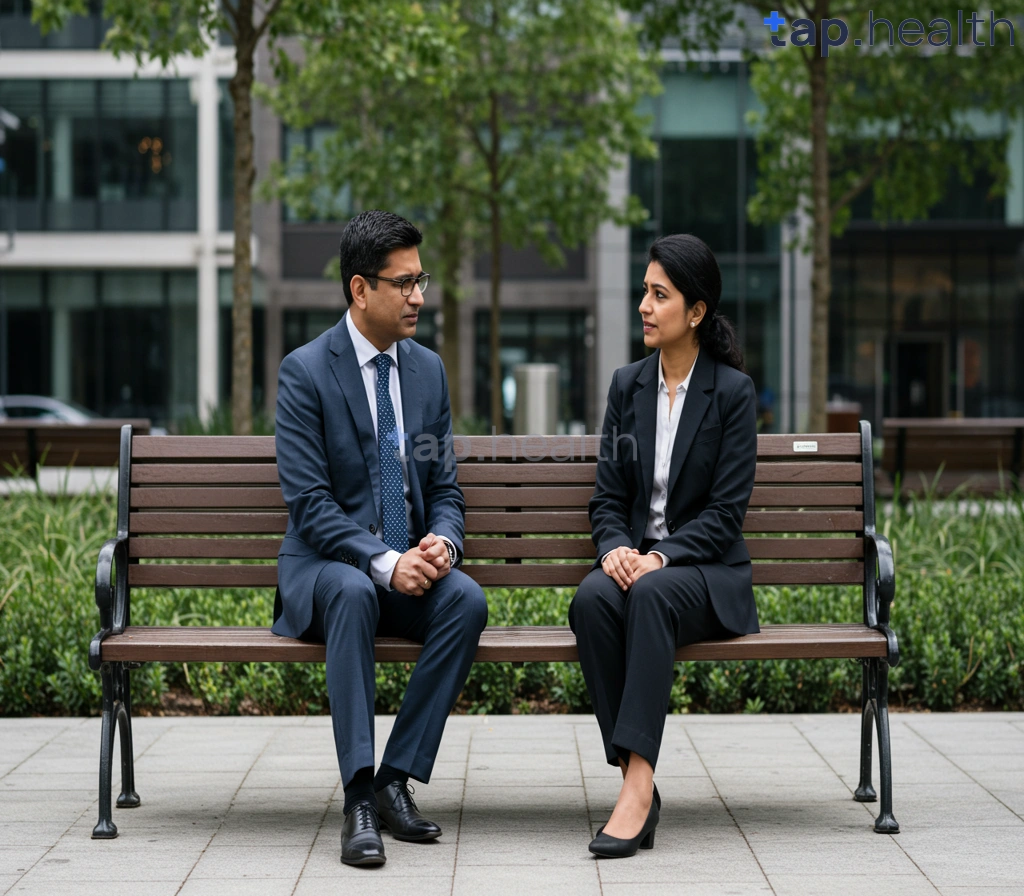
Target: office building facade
point(118, 288)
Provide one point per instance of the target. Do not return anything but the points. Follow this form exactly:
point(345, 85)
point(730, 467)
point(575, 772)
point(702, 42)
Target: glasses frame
point(422, 281)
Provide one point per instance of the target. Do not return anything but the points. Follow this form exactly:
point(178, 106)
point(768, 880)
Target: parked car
point(44, 407)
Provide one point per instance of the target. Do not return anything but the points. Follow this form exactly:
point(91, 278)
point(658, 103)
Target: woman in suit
point(678, 452)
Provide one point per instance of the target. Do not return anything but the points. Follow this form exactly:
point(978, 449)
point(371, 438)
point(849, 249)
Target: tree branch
point(477, 139)
point(865, 180)
point(267, 16)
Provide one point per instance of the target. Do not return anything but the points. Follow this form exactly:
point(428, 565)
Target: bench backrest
point(25, 444)
point(526, 509)
point(953, 444)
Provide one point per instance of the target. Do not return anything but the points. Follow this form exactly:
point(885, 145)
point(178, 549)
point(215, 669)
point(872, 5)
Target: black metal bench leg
point(886, 822)
point(128, 798)
point(865, 793)
point(105, 828)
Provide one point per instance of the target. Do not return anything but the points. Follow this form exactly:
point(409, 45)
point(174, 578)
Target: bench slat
point(515, 575)
point(526, 474)
point(484, 522)
point(805, 548)
point(223, 448)
point(204, 548)
point(565, 496)
point(183, 548)
point(202, 498)
point(804, 521)
point(521, 643)
point(809, 473)
point(171, 523)
point(205, 474)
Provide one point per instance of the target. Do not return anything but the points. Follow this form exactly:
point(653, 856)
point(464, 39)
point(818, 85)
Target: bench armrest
point(111, 593)
point(880, 589)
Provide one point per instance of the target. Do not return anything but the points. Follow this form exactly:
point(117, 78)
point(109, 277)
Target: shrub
point(959, 615)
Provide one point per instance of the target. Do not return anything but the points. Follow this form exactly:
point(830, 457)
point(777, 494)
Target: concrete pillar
point(205, 93)
point(795, 327)
point(60, 354)
point(62, 170)
point(612, 266)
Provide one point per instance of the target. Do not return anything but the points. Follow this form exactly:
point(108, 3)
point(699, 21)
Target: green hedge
point(959, 615)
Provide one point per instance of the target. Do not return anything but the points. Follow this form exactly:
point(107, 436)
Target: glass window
point(121, 342)
point(326, 204)
point(226, 157)
point(692, 188)
point(84, 32)
point(103, 155)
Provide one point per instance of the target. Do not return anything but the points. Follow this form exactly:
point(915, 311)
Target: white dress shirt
point(382, 565)
point(665, 439)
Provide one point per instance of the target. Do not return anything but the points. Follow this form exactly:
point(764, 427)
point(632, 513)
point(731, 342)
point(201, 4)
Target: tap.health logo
point(908, 32)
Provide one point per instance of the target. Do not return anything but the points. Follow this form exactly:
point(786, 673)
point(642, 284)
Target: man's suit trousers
point(348, 611)
point(627, 642)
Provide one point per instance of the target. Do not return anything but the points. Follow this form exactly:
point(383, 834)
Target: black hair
point(367, 241)
point(693, 270)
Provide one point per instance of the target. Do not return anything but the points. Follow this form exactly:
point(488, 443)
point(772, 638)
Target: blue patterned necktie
point(392, 485)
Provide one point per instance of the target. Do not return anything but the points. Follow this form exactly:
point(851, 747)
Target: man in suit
point(375, 527)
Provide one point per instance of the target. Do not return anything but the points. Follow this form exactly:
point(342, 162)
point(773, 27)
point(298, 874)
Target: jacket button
point(373, 529)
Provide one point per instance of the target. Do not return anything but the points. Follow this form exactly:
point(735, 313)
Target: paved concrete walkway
point(753, 804)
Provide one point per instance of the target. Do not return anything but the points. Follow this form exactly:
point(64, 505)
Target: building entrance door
point(919, 377)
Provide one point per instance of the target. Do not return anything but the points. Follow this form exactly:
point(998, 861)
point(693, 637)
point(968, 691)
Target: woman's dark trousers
point(627, 643)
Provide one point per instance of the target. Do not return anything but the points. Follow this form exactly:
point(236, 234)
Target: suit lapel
point(350, 379)
point(645, 413)
point(695, 405)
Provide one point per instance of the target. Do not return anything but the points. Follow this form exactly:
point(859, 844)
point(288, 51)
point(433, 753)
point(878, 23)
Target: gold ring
point(426, 583)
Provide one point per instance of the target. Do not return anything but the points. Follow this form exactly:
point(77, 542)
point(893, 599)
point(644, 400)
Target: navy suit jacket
point(329, 467)
point(711, 476)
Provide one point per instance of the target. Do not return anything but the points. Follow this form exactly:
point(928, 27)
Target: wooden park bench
point(25, 445)
point(187, 505)
point(975, 455)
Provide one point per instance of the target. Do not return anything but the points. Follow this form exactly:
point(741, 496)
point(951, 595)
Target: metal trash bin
point(536, 410)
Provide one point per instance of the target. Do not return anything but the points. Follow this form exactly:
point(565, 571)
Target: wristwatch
point(451, 552)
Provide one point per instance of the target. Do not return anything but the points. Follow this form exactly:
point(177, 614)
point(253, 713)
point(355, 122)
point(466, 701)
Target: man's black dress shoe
point(398, 814)
point(360, 837)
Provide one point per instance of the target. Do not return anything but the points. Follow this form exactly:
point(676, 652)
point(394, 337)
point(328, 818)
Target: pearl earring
point(692, 324)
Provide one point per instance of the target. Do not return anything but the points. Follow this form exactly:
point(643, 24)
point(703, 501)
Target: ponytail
point(718, 337)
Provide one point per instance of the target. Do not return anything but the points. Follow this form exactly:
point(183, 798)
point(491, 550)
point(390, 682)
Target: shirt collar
point(684, 385)
point(366, 351)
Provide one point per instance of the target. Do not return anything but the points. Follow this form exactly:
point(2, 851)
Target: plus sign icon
point(773, 21)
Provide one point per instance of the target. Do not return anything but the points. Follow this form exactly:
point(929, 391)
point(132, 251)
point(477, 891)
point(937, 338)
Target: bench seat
point(514, 643)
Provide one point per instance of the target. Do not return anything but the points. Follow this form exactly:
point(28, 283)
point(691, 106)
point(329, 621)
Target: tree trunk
point(451, 259)
point(245, 174)
point(821, 276)
point(497, 405)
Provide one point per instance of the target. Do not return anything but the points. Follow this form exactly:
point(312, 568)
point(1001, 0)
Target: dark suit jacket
point(711, 476)
point(329, 466)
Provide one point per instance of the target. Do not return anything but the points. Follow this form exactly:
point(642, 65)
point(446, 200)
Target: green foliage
point(220, 424)
point(515, 110)
point(959, 615)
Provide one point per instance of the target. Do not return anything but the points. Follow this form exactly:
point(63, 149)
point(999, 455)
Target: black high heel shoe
point(608, 847)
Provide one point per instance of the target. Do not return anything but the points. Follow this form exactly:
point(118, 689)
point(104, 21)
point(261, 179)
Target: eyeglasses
point(407, 285)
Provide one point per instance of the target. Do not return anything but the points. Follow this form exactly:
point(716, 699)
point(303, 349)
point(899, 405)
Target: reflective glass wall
point(102, 154)
point(705, 171)
point(122, 343)
point(928, 324)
